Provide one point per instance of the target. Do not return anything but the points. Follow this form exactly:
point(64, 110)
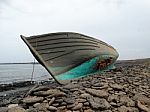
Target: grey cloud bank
point(122, 23)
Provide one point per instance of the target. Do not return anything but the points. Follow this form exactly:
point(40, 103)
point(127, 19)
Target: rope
point(33, 68)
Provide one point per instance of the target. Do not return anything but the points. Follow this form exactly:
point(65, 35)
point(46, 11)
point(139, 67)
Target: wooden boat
point(68, 55)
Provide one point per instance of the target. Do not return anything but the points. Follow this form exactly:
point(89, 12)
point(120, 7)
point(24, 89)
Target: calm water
point(21, 72)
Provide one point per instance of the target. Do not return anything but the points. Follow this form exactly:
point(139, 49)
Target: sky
point(124, 24)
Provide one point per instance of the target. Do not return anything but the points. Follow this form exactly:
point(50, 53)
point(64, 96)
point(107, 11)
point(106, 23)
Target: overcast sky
point(124, 24)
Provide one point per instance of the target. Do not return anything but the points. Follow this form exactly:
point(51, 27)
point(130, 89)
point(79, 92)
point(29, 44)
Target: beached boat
point(68, 55)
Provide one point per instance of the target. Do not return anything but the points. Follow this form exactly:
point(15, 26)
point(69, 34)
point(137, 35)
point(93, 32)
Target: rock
point(86, 104)
point(12, 105)
point(142, 107)
point(78, 106)
point(31, 110)
point(41, 88)
point(16, 109)
point(49, 92)
point(69, 100)
point(81, 100)
point(98, 93)
point(85, 95)
point(3, 109)
point(113, 104)
point(63, 104)
point(106, 111)
point(98, 103)
point(33, 99)
point(127, 101)
point(71, 86)
point(42, 107)
point(133, 109)
point(116, 86)
point(59, 100)
point(55, 104)
point(51, 101)
point(89, 110)
point(71, 105)
point(61, 107)
point(45, 101)
point(52, 108)
point(36, 104)
point(142, 98)
point(16, 101)
point(123, 109)
point(113, 98)
point(4, 102)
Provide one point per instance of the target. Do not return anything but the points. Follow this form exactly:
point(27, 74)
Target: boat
point(69, 55)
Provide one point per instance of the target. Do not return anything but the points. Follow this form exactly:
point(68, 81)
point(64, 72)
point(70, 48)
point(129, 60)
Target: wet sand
point(124, 89)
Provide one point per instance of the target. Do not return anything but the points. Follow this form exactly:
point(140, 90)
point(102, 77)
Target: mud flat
point(124, 89)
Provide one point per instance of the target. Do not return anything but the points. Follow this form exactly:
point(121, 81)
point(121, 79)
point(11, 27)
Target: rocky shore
point(124, 89)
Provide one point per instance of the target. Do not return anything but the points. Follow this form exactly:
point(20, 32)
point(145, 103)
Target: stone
point(4, 102)
point(69, 100)
point(127, 101)
point(105, 111)
point(78, 106)
point(61, 107)
point(71, 86)
point(51, 101)
point(86, 104)
point(12, 105)
point(89, 110)
point(33, 99)
point(36, 104)
point(98, 93)
point(42, 107)
point(4, 109)
point(123, 109)
point(52, 108)
point(113, 98)
point(142, 107)
point(98, 103)
point(49, 92)
point(85, 95)
point(31, 110)
point(45, 101)
point(16, 109)
point(55, 104)
point(71, 105)
point(116, 86)
point(142, 98)
point(41, 88)
point(81, 100)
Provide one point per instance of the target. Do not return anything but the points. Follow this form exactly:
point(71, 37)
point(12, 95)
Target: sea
point(10, 73)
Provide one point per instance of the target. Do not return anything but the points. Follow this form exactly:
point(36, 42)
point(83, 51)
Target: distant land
point(20, 63)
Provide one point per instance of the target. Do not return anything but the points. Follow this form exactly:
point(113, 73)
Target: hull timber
point(68, 55)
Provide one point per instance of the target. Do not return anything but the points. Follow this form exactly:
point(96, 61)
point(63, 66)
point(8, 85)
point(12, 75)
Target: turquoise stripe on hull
point(85, 69)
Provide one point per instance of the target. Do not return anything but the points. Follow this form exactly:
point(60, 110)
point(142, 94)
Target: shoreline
point(125, 88)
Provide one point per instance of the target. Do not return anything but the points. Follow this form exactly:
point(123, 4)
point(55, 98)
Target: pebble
point(142, 107)
point(33, 99)
point(116, 86)
point(12, 105)
point(16, 109)
point(52, 108)
point(98, 103)
point(98, 93)
point(51, 101)
point(78, 106)
point(127, 101)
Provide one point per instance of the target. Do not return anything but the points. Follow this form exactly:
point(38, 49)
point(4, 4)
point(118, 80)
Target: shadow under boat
point(68, 55)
